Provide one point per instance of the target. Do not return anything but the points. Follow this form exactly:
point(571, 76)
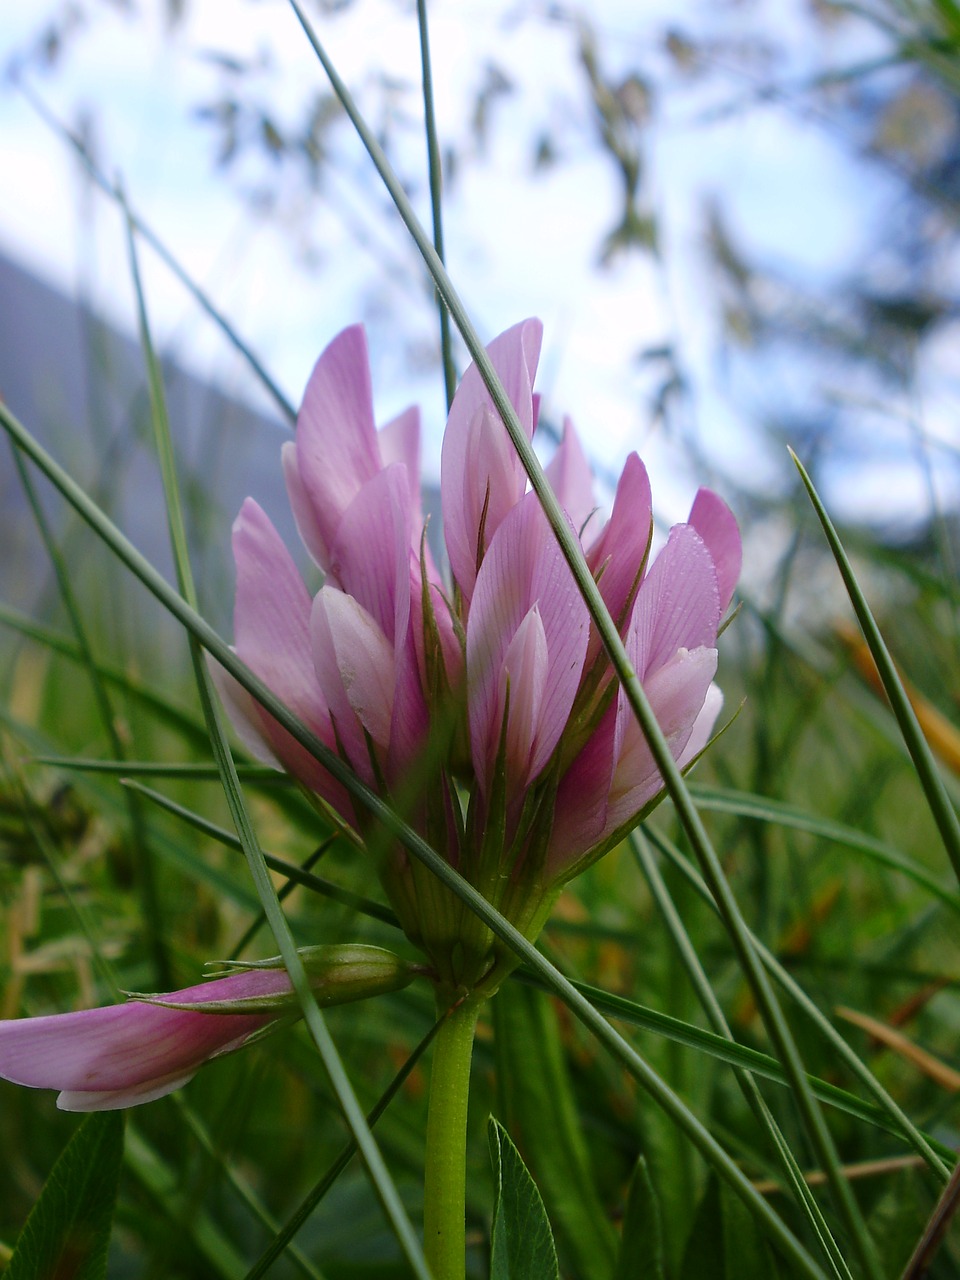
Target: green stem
point(445, 1171)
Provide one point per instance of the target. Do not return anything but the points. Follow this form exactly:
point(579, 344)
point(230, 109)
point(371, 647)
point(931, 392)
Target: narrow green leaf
point(764, 809)
point(164, 769)
point(436, 188)
point(283, 1237)
point(641, 1246)
point(166, 712)
point(754, 1098)
point(68, 1231)
point(245, 1191)
point(144, 859)
point(366, 906)
point(538, 1105)
point(746, 1253)
point(522, 1245)
point(704, 1256)
point(740, 1055)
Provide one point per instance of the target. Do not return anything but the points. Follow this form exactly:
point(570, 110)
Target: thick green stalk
point(445, 1170)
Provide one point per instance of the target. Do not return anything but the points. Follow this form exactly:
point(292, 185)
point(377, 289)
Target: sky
point(519, 242)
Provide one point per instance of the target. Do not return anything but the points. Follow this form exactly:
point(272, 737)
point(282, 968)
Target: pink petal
point(245, 714)
point(410, 724)
point(329, 630)
point(370, 558)
point(514, 354)
point(677, 691)
point(678, 604)
point(302, 507)
point(272, 629)
point(133, 1046)
point(717, 526)
point(81, 1100)
point(523, 567)
point(355, 660)
point(478, 465)
point(571, 479)
point(621, 548)
point(523, 678)
point(337, 451)
point(399, 441)
point(702, 726)
point(476, 499)
point(615, 776)
point(580, 811)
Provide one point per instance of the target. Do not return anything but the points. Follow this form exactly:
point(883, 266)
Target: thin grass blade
point(944, 814)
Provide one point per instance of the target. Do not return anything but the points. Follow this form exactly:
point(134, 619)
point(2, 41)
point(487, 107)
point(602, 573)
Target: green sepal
point(338, 975)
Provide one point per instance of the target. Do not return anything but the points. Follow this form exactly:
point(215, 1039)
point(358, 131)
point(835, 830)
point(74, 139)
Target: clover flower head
point(476, 695)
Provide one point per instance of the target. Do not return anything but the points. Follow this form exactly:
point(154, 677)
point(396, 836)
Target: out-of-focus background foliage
point(740, 223)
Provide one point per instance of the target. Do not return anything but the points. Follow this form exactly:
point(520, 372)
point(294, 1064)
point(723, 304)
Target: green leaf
point(538, 1104)
point(68, 1230)
point(641, 1246)
point(522, 1245)
point(724, 1243)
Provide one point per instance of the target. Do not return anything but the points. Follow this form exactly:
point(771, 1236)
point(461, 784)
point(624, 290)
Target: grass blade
point(746, 805)
point(317, 1193)
point(294, 874)
point(146, 870)
point(748, 1086)
point(944, 814)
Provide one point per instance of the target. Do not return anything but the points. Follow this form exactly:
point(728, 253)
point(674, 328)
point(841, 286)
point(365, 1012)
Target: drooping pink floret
point(125, 1054)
